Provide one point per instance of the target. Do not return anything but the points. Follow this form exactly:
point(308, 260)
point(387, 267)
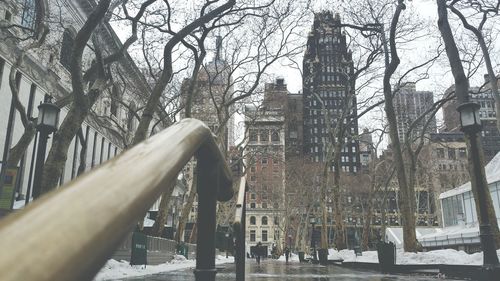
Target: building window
point(275, 136)
point(252, 196)
point(264, 161)
point(264, 205)
point(31, 99)
point(252, 205)
point(264, 235)
point(452, 153)
point(264, 136)
point(440, 152)
point(264, 220)
point(8, 16)
point(66, 48)
point(252, 220)
point(115, 96)
point(29, 14)
point(131, 116)
point(462, 152)
point(253, 135)
point(252, 235)
point(2, 65)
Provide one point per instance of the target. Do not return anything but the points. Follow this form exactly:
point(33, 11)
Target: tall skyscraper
point(328, 93)
point(409, 104)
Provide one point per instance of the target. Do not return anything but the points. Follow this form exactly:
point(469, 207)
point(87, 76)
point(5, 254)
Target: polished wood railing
point(69, 234)
point(239, 231)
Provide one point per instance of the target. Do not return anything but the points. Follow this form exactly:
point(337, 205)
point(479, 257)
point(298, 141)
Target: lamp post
point(227, 244)
point(47, 121)
point(470, 124)
point(313, 242)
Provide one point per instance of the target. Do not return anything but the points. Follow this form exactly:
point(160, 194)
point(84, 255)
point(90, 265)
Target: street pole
point(477, 175)
point(40, 161)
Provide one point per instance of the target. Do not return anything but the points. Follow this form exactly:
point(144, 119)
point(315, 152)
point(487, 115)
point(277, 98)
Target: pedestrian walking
point(258, 250)
point(287, 254)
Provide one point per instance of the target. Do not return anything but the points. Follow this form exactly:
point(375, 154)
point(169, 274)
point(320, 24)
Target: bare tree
point(27, 39)
point(485, 10)
point(97, 76)
point(484, 209)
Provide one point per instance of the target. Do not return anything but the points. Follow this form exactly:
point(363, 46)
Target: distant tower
point(327, 86)
point(409, 104)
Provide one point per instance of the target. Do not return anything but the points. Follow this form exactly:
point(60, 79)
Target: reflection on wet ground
point(277, 270)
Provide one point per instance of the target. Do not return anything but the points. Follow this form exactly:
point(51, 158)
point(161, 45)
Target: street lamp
point(47, 121)
point(313, 242)
point(470, 123)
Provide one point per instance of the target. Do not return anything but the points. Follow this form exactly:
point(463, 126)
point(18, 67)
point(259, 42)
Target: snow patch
point(446, 256)
point(114, 269)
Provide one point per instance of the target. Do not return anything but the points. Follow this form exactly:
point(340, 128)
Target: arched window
point(264, 220)
point(131, 115)
point(252, 220)
point(115, 97)
point(66, 48)
point(275, 136)
point(29, 14)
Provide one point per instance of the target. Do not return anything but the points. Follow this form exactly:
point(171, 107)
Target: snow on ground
point(446, 256)
point(122, 269)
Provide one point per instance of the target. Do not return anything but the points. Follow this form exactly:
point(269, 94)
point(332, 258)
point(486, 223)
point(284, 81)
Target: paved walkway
point(279, 271)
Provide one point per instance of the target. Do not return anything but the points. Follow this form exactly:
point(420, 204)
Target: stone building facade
point(490, 136)
point(45, 72)
point(265, 162)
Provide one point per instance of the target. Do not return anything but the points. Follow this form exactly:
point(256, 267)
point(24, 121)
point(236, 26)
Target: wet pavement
point(279, 271)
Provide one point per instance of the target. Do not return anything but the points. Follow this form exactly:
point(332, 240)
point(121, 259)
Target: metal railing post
point(239, 227)
point(208, 181)
point(76, 244)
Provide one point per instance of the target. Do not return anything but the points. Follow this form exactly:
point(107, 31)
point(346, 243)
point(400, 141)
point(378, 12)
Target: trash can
point(301, 257)
point(323, 256)
point(182, 249)
point(139, 252)
point(386, 255)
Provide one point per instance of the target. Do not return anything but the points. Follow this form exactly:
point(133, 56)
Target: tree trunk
point(186, 209)
point(161, 217)
point(59, 151)
point(407, 214)
point(368, 217)
point(83, 153)
point(340, 239)
point(17, 152)
point(476, 169)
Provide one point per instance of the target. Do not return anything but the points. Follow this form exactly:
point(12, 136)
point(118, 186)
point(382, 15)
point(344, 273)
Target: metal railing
point(70, 233)
point(239, 231)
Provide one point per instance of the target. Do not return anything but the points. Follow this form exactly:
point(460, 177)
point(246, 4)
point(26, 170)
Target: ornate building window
point(66, 48)
point(252, 220)
point(29, 14)
point(264, 220)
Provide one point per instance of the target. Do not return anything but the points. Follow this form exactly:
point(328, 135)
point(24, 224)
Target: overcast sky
point(440, 75)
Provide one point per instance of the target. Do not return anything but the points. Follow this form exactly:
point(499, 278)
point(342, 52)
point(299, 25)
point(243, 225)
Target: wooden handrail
point(70, 233)
point(239, 231)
